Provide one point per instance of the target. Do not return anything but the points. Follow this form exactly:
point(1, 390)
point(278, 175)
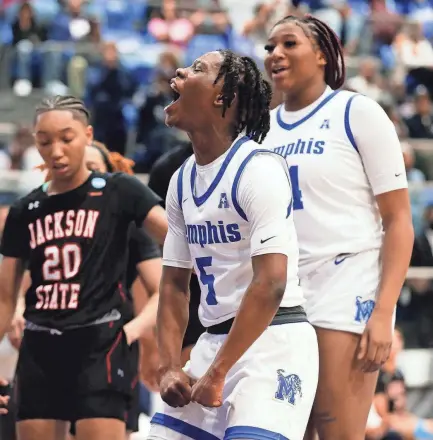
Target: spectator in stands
point(421, 300)
point(388, 105)
point(71, 25)
point(258, 27)
point(420, 125)
point(26, 32)
point(368, 81)
point(154, 138)
point(210, 20)
point(399, 422)
point(110, 86)
point(415, 55)
point(166, 24)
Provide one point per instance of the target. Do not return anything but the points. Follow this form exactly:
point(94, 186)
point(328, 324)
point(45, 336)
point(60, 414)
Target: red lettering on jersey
point(57, 226)
point(40, 296)
point(47, 291)
point(92, 218)
point(64, 290)
point(54, 304)
point(40, 239)
point(70, 215)
point(75, 291)
point(58, 230)
point(79, 223)
point(49, 234)
point(57, 296)
point(32, 236)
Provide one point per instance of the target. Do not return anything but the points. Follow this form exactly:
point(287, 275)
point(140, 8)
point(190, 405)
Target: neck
point(60, 186)
point(209, 146)
point(304, 97)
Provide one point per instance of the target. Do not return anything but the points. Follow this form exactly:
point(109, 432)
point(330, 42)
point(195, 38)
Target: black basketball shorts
point(89, 372)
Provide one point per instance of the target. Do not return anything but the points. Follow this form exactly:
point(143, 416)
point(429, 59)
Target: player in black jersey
point(159, 180)
point(144, 260)
point(77, 358)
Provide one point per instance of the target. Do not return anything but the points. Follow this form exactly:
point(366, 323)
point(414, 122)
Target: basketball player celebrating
point(352, 216)
point(77, 361)
point(253, 373)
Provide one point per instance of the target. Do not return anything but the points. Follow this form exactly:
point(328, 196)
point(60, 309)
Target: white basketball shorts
point(268, 394)
point(341, 293)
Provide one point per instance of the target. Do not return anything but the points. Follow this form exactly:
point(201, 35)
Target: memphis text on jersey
point(213, 234)
point(311, 146)
point(62, 258)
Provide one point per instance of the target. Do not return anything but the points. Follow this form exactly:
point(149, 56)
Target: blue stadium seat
point(428, 30)
point(5, 33)
point(201, 44)
point(387, 56)
point(241, 45)
point(123, 15)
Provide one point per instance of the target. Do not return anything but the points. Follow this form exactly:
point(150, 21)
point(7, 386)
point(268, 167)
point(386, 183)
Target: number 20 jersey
point(219, 240)
point(334, 208)
point(76, 248)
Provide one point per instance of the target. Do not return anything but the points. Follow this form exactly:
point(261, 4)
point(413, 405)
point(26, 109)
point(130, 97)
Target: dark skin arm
point(156, 224)
point(394, 207)
point(172, 320)
point(258, 307)
point(11, 275)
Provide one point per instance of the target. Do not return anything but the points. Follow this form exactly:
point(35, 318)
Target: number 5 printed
point(207, 279)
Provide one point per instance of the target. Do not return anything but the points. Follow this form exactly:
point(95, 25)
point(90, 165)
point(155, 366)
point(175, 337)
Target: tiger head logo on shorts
point(289, 387)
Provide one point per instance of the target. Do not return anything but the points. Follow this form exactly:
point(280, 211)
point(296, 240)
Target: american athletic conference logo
point(364, 309)
point(289, 387)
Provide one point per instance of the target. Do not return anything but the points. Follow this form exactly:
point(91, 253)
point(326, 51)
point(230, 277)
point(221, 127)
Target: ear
point(218, 102)
point(89, 134)
point(321, 60)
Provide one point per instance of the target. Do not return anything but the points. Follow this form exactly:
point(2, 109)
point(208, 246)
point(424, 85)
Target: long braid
point(70, 103)
point(329, 44)
point(243, 79)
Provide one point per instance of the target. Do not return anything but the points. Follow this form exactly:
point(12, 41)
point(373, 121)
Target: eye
point(289, 43)
point(68, 140)
point(196, 68)
point(269, 48)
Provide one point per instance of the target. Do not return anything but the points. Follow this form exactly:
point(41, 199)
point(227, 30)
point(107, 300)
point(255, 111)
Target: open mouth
point(59, 166)
point(174, 92)
point(277, 70)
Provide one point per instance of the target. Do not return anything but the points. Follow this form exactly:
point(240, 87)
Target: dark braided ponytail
point(242, 78)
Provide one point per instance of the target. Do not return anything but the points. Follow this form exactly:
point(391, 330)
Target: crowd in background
point(118, 56)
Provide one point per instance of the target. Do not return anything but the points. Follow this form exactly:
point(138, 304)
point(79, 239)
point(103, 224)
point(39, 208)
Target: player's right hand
point(16, 331)
point(175, 388)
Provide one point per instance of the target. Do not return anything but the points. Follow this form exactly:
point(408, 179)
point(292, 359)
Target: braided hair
point(70, 103)
point(329, 44)
point(242, 78)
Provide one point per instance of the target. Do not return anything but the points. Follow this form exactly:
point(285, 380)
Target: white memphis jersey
point(220, 238)
point(336, 174)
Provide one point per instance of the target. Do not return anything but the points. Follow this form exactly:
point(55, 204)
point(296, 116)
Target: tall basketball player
point(77, 358)
point(352, 216)
point(253, 373)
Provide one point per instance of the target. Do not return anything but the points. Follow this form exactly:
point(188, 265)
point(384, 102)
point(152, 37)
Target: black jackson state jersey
point(76, 247)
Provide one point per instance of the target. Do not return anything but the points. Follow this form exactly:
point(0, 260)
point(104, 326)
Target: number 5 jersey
point(224, 213)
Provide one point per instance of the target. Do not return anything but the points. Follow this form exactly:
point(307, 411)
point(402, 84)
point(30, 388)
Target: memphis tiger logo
point(289, 388)
point(364, 309)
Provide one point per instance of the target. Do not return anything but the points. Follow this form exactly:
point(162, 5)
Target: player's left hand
point(376, 341)
point(208, 390)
